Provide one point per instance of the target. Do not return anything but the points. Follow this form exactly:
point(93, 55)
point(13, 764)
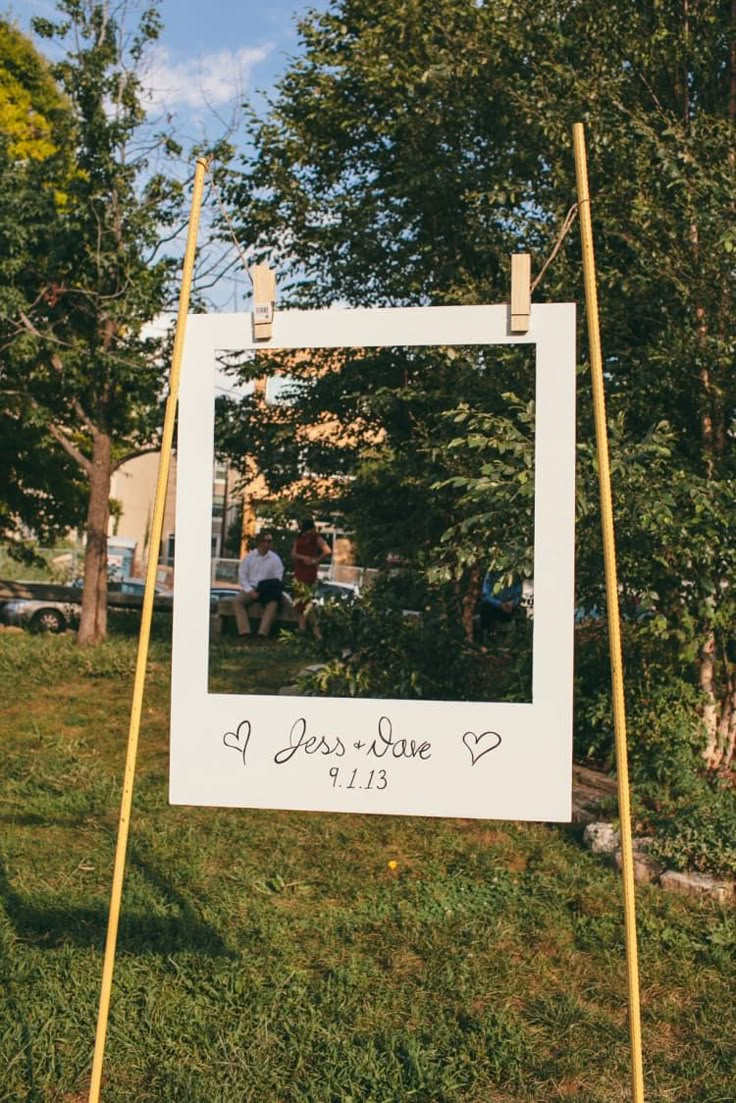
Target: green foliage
point(408, 151)
point(675, 559)
point(682, 520)
point(663, 731)
point(699, 833)
point(377, 151)
point(34, 117)
point(38, 486)
point(101, 250)
point(403, 639)
point(693, 819)
point(393, 471)
point(427, 495)
point(493, 480)
point(25, 561)
point(81, 381)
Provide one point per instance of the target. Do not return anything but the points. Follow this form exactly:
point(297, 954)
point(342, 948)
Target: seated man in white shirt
point(258, 566)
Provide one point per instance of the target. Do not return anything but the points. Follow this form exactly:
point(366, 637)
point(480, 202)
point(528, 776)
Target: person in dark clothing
point(497, 606)
point(308, 551)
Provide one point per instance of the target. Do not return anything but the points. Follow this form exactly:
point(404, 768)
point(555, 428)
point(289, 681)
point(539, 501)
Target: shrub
point(404, 639)
point(692, 814)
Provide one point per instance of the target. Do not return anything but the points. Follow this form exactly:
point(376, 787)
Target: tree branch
point(82, 415)
point(71, 449)
point(148, 450)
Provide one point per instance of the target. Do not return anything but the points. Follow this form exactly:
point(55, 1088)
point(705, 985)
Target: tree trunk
point(711, 753)
point(726, 727)
point(470, 600)
point(93, 622)
point(729, 742)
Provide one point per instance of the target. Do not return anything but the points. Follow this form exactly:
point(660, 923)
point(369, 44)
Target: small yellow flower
point(393, 864)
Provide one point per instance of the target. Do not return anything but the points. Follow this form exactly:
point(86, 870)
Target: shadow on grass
point(50, 925)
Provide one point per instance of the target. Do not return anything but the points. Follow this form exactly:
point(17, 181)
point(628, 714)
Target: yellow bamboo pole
point(145, 634)
point(614, 625)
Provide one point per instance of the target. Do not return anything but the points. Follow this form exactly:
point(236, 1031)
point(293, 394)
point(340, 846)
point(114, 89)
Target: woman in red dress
point(308, 551)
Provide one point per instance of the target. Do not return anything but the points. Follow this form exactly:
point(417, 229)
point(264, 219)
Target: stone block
point(646, 868)
point(697, 884)
point(600, 838)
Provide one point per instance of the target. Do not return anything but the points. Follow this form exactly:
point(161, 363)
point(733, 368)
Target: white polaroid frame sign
point(473, 759)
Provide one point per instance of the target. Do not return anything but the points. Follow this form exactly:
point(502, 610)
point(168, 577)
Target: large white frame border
point(471, 759)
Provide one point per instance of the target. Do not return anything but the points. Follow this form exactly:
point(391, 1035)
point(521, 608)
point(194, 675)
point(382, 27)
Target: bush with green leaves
point(700, 832)
point(691, 814)
point(403, 639)
point(425, 144)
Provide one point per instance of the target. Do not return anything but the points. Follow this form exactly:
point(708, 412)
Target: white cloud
point(210, 80)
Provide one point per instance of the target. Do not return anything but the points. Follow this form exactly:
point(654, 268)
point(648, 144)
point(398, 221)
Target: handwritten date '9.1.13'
point(358, 779)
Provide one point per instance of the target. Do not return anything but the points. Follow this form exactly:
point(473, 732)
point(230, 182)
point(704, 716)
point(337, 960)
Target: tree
point(91, 277)
point(383, 460)
point(411, 148)
point(39, 490)
point(35, 119)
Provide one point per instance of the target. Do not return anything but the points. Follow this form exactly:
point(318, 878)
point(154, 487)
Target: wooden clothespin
point(521, 296)
point(264, 299)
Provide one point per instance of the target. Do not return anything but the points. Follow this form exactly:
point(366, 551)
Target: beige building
point(236, 498)
point(132, 491)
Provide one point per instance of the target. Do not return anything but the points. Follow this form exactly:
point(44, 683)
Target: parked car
point(39, 616)
point(326, 590)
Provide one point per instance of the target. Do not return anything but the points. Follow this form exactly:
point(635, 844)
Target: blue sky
point(210, 55)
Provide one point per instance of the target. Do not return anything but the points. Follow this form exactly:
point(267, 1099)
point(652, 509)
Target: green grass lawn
point(237, 667)
point(273, 956)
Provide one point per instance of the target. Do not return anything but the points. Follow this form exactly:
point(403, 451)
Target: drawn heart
point(238, 740)
point(478, 745)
